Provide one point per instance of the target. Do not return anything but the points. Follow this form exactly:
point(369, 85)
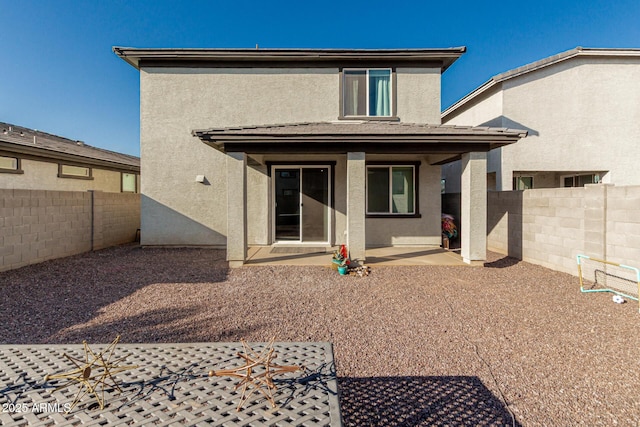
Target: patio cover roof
point(367, 136)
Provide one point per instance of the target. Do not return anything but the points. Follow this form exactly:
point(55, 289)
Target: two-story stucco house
point(247, 147)
point(582, 114)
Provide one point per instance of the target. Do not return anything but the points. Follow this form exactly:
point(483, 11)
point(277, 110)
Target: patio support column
point(236, 209)
point(473, 207)
point(356, 178)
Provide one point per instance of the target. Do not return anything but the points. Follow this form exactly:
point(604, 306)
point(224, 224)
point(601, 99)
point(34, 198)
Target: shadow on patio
point(388, 255)
point(420, 401)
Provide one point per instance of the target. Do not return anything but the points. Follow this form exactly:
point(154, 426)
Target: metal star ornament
point(256, 374)
point(93, 373)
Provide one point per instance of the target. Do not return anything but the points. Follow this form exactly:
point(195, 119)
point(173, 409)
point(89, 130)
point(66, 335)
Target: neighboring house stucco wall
point(176, 210)
point(41, 175)
point(486, 110)
point(582, 115)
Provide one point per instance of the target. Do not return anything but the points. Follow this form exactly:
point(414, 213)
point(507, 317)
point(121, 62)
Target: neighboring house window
point(391, 190)
point(77, 172)
point(367, 93)
point(129, 182)
point(580, 180)
point(522, 182)
point(10, 165)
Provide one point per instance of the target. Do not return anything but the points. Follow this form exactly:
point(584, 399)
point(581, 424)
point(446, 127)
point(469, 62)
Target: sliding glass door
point(301, 197)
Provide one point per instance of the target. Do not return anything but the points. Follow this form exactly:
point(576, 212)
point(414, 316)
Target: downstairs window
point(391, 190)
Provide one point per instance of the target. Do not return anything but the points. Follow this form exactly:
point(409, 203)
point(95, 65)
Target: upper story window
point(78, 172)
point(10, 164)
point(367, 93)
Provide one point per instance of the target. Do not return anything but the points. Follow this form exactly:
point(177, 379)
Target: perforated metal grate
point(171, 386)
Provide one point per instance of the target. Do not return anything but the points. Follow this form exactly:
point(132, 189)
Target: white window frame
point(62, 174)
point(367, 70)
point(390, 212)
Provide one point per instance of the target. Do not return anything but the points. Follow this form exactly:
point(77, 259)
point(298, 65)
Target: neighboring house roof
point(371, 136)
point(140, 57)
point(537, 65)
point(34, 143)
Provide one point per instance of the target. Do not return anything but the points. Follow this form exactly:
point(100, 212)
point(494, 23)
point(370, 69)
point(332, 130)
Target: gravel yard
point(413, 345)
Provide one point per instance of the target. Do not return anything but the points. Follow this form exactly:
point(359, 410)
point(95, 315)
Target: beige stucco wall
point(582, 115)
point(39, 175)
point(176, 210)
point(418, 95)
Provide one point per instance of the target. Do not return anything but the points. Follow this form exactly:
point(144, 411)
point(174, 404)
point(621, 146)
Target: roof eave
point(134, 56)
point(46, 153)
point(421, 143)
point(535, 66)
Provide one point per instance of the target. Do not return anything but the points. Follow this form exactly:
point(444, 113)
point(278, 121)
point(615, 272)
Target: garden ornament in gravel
point(257, 372)
point(341, 261)
point(93, 373)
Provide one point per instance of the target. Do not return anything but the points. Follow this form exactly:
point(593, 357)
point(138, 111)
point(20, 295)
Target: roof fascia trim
point(134, 56)
point(45, 153)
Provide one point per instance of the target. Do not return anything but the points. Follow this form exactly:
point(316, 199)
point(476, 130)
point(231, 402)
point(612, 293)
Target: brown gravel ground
point(417, 345)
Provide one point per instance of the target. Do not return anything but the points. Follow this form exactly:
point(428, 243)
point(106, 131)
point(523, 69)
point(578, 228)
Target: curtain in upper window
point(379, 93)
point(367, 93)
point(355, 93)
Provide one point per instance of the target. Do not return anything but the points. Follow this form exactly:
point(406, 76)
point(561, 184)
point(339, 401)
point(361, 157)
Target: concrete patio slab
point(170, 386)
point(390, 255)
point(413, 255)
point(289, 255)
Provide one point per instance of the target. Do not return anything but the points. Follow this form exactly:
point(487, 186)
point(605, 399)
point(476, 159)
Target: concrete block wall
point(116, 218)
point(623, 225)
point(544, 226)
point(38, 225)
point(550, 227)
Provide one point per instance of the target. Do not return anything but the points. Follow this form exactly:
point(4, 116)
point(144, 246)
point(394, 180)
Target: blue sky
point(59, 74)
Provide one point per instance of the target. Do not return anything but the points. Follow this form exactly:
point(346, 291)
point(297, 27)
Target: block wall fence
point(551, 226)
point(38, 225)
